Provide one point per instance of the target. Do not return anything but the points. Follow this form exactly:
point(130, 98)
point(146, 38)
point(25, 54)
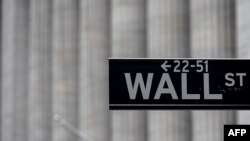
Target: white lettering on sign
point(170, 90)
point(207, 94)
point(230, 79)
point(185, 94)
point(181, 67)
point(235, 132)
point(184, 66)
point(132, 89)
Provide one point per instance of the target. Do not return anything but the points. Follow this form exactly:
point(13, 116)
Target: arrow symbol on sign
point(164, 66)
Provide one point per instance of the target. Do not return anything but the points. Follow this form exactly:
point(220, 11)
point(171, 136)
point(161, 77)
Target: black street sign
point(179, 84)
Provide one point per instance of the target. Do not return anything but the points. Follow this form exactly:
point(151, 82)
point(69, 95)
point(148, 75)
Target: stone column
point(14, 70)
point(242, 23)
point(65, 67)
point(212, 24)
point(129, 40)
point(243, 50)
point(168, 28)
point(168, 37)
point(243, 117)
point(40, 74)
point(95, 51)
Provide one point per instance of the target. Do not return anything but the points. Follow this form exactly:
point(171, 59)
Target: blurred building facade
point(54, 65)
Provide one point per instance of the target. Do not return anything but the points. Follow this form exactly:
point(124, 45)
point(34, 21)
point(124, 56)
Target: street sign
point(179, 84)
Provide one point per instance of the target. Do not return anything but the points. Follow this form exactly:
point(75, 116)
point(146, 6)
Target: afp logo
point(237, 132)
